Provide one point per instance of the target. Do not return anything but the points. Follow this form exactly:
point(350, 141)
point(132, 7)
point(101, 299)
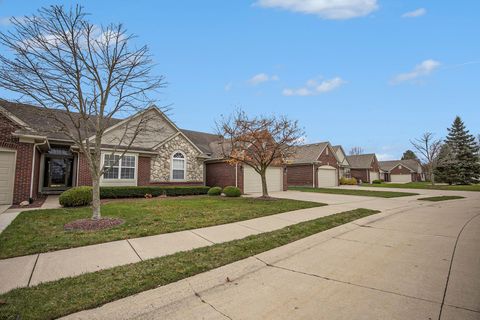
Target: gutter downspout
point(236, 175)
point(313, 175)
point(33, 165)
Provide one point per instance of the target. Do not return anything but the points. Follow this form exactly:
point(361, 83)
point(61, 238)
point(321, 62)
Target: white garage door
point(374, 175)
point(253, 183)
point(401, 178)
point(327, 176)
point(7, 167)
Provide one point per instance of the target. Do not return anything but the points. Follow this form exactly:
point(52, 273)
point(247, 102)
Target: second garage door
point(374, 175)
point(327, 176)
point(253, 183)
point(401, 178)
point(7, 167)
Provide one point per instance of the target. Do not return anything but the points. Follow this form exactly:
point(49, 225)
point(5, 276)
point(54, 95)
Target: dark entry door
point(59, 172)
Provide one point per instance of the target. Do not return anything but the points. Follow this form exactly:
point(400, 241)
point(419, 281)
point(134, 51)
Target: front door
point(59, 172)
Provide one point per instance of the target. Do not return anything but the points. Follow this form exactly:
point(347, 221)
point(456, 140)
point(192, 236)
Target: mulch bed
point(92, 225)
point(37, 203)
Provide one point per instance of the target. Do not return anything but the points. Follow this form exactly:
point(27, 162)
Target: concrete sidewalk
point(419, 262)
point(33, 269)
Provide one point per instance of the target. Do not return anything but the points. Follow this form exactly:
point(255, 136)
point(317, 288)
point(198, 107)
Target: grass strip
point(62, 297)
point(352, 192)
point(43, 230)
point(441, 198)
point(426, 185)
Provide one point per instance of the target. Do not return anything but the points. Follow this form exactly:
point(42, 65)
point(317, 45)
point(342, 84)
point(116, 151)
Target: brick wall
point(300, 175)
point(36, 175)
point(328, 158)
point(23, 165)
point(84, 177)
point(222, 174)
point(143, 171)
point(360, 174)
point(397, 170)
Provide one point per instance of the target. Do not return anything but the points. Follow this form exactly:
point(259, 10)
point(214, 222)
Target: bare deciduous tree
point(355, 151)
point(258, 141)
point(429, 148)
point(60, 61)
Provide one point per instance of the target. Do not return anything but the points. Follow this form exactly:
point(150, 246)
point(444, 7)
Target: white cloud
point(326, 9)
point(313, 87)
point(420, 70)
point(415, 13)
point(384, 156)
point(262, 77)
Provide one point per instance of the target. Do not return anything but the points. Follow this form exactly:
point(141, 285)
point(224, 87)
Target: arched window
point(178, 166)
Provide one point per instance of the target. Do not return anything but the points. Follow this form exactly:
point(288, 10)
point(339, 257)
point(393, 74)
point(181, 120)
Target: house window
point(117, 167)
point(178, 166)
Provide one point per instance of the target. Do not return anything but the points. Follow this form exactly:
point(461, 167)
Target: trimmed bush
point(377, 181)
point(232, 191)
point(76, 197)
point(215, 191)
point(348, 181)
point(155, 191)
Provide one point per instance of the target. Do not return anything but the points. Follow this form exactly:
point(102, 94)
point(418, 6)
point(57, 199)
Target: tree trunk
point(264, 185)
point(96, 214)
point(432, 176)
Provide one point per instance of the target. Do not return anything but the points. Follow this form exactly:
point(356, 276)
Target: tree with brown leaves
point(258, 142)
point(59, 60)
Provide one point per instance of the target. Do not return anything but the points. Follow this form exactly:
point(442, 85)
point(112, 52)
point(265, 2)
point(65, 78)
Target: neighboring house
point(34, 160)
point(364, 167)
point(314, 165)
point(219, 172)
point(401, 171)
point(343, 164)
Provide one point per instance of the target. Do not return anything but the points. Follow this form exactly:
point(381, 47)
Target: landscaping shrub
point(348, 181)
point(154, 191)
point(378, 181)
point(215, 191)
point(231, 191)
point(76, 197)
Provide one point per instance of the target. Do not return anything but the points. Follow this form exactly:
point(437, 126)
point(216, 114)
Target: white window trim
point(135, 174)
point(184, 166)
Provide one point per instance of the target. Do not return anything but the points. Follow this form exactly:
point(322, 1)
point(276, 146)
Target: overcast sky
point(369, 73)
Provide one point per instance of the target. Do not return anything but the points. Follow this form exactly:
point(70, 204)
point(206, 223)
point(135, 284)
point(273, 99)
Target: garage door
point(253, 183)
point(327, 176)
point(374, 175)
point(7, 167)
point(401, 178)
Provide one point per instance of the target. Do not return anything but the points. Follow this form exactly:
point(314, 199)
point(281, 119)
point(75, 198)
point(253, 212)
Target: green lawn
point(58, 298)
point(351, 192)
point(42, 230)
point(426, 185)
point(441, 198)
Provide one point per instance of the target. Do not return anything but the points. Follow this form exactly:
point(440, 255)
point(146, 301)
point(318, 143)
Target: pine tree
point(409, 154)
point(464, 152)
point(445, 170)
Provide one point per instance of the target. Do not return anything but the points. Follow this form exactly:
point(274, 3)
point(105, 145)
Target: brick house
point(35, 160)
point(364, 167)
point(313, 165)
point(401, 171)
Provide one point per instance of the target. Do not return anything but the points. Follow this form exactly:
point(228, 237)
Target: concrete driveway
point(415, 260)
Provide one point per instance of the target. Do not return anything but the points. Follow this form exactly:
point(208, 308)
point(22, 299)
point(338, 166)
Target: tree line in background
point(456, 160)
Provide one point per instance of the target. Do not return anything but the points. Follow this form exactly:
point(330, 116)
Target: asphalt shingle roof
point(307, 153)
point(361, 161)
point(390, 164)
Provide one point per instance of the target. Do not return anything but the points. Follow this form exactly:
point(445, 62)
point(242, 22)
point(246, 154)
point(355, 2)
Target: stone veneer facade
point(161, 164)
